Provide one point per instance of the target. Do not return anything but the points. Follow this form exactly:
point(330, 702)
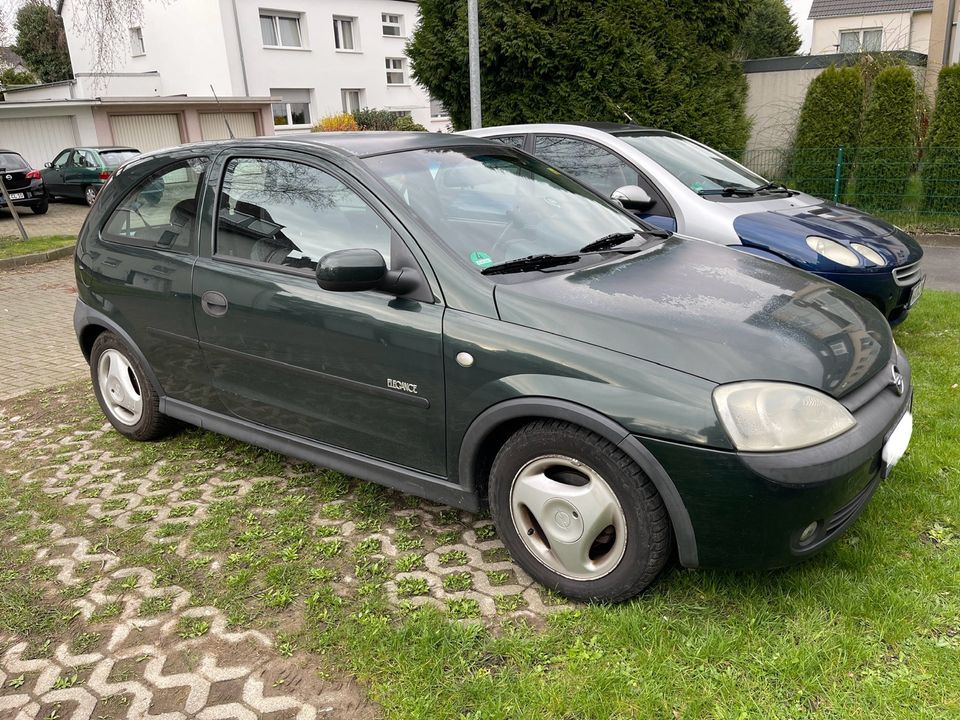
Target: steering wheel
point(499, 249)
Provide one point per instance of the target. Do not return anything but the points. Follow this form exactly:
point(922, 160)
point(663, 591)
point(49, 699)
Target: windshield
point(699, 168)
point(116, 158)
point(491, 206)
point(12, 161)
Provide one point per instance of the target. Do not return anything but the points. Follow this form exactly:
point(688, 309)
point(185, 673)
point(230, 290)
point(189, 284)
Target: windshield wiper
point(531, 262)
point(728, 191)
point(614, 239)
point(774, 187)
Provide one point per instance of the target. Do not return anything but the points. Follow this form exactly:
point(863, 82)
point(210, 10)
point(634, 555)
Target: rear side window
point(116, 158)
point(278, 212)
point(161, 211)
point(590, 164)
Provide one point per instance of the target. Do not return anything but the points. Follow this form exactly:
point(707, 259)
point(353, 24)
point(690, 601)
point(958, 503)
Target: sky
point(800, 9)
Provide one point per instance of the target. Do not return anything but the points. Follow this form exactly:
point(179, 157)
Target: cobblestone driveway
point(63, 218)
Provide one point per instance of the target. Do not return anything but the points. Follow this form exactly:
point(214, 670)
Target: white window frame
point(344, 92)
point(859, 32)
point(385, 22)
point(287, 104)
point(137, 46)
point(338, 21)
point(275, 16)
point(444, 113)
point(392, 69)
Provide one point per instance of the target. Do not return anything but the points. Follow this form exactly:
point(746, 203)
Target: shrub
point(407, 124)
point(941, 162)
point(373, 119)
point(335, 123)
point(887, 150)
point(829, 118)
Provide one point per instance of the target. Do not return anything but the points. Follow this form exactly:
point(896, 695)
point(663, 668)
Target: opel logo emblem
point(896, 379)
point(9, 177)
point(563, 519)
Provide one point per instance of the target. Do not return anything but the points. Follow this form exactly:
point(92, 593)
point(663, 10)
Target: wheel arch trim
point(544, 407)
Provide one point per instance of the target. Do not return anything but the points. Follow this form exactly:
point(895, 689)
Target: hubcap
point(91, 195)
point(119, 388)
point(568, 517)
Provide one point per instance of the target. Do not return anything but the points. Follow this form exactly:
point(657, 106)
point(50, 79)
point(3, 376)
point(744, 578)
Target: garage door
point(38, 139)
point(146, 132)
point(212, 127)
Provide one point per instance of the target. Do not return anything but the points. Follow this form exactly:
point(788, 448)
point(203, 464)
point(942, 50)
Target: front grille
point(907, 274)
point(845, 515)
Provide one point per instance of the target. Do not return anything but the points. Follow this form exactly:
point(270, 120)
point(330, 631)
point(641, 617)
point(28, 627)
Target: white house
point(852, 26)
point(314, 57)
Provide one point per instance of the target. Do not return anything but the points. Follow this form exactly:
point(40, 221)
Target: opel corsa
point(453, 318)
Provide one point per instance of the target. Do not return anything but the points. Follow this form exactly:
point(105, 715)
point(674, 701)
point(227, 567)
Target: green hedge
point(887, 153)
point(940, 170)
point(829, 118)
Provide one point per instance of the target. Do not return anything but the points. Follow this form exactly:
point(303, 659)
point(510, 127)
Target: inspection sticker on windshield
point(480, 258)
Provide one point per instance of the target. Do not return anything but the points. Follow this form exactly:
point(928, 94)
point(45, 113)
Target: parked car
point(81, 172)
point(456, 319)
point(679, 184)
point(23, 183)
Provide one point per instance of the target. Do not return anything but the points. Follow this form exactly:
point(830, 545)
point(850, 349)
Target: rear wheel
point(40, 207)
point(90, 194)
point(577, 513)
point(125, 393)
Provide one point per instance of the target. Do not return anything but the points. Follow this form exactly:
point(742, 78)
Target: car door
point(82, 170)
point(604, 171)
point(361, 371)
point(53, 175)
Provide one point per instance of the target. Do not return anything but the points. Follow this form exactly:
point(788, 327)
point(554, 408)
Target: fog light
point(809, 531)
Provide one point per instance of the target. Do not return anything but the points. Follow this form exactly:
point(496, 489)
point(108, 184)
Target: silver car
point(682, 185)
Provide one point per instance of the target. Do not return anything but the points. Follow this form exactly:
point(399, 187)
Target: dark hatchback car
point(81, 172)
point(453, 318)
point(23, 183)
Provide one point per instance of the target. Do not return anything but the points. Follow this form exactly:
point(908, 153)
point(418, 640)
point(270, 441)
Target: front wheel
point(577, 513)
point(125, 393)
point(90, 194)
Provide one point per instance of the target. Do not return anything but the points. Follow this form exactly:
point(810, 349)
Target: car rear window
point(116, 158)
point(12, 161)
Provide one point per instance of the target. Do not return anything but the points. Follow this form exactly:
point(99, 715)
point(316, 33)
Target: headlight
point(871, 255)
point(762, 416)
point(833, 251)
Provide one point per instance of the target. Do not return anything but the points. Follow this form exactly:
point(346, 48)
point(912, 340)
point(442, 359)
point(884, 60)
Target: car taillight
point(33, 175)
point(105, 174)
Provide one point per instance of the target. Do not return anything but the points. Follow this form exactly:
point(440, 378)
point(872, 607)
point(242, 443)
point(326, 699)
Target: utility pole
point(473, 37)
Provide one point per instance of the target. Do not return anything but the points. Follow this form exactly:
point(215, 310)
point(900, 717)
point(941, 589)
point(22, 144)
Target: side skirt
point(398, 477)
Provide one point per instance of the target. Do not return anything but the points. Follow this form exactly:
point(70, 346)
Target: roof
point(369, 142)
point(848, 8)
point(9, 58)
point(609, 127)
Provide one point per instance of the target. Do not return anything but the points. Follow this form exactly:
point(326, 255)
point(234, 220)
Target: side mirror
point(46, 164)
point(632, 197)
point(351, 270)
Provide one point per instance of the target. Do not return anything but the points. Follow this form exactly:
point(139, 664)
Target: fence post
point(838, 174)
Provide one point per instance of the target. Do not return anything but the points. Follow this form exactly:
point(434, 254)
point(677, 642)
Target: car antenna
point(222, 113)
point(625, 114)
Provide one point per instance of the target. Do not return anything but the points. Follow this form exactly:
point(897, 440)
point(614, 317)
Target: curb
point(23, 260)
point(939, 240)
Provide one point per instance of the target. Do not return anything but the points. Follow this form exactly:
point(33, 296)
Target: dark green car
point(81, 172)
point(451, 317)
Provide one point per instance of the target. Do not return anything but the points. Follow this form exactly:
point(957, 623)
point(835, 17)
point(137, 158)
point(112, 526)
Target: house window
point(392, 25)
point(352, 99)
point(395, 71)
point(437, 110)
point(854, 41)
point(345, 33)
point(280, 30)
point(136, 42)
point(293, 108)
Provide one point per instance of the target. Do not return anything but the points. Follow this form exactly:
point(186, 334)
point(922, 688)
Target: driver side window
point(61, 159)
point(591, 164)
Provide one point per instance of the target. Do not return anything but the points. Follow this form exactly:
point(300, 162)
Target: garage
point(146, 131)
point(38, 139)
point(213, 127)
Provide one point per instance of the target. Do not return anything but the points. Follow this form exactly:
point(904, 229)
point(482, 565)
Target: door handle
point(214, 303)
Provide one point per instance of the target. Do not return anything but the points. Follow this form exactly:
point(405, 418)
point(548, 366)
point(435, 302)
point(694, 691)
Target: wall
point(33, 139)
point(938, 32)
point(901, 31)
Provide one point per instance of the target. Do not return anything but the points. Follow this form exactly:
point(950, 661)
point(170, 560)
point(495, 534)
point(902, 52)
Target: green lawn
point(11, 247)
point(868, 629)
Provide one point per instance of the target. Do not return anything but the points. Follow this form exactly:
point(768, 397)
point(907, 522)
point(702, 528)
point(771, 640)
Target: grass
point(868, 629)
point(12, 247)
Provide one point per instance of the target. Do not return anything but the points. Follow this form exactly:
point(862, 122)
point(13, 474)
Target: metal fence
point(906, 184)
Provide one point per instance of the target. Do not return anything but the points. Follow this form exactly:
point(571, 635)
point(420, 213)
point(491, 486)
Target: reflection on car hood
point(714, 312)
point(788, 229)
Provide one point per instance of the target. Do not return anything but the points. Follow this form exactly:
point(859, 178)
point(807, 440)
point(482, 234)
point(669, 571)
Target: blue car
point(684, 186)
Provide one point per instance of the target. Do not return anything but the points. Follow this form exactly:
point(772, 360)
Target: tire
point(125, 393)
point(41, 207)
point(90, 194)
point(576, 481)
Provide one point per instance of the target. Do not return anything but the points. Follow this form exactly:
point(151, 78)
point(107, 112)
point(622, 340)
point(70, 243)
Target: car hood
point(710, 311)
point(785, 232)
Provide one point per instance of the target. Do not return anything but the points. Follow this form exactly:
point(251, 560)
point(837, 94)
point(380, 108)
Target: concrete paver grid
point(38, 347)
point(63, 218)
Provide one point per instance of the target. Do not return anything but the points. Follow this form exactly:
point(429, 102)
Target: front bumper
point(892, 295)
point(750, 509)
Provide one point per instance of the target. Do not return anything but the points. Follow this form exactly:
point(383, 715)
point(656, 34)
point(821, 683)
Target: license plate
point(916, 292)
point(16, 196)
point(897, 443)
